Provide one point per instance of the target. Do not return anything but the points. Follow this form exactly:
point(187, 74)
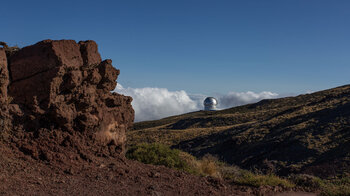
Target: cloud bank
point(155, 103)
point(240, 98)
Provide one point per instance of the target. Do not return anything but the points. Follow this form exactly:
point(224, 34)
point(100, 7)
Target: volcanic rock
point(89, 53)
point(64, 86)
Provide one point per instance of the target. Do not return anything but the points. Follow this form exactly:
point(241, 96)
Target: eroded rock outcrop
point(64, 86)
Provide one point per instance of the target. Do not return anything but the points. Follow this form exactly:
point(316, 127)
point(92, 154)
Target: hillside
point(305, 134)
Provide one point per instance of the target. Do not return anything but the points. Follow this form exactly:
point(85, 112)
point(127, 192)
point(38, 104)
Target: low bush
point(257, 180)
point(157, 154)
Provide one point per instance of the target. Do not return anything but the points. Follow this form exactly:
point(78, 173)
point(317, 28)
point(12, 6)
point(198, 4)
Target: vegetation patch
point(336, 187)
point(328, 187)
point(157, 154)
point(257, 180)
point(160, 154)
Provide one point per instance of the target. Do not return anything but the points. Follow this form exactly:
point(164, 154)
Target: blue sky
point(200, 46)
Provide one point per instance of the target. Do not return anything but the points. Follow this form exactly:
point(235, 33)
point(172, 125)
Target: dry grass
point(209, 166)
point(158, 154)
point(257, 180)
point(168, 137)
point(339, 186)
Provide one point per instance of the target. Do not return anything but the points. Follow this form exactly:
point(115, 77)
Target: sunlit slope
point(307, 133)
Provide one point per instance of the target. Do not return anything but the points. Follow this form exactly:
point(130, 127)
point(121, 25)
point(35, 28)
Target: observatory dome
point(210, 103)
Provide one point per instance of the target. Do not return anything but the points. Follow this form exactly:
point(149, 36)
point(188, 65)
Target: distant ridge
point(304, 134)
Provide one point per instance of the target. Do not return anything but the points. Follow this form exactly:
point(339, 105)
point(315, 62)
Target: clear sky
point(200, 46)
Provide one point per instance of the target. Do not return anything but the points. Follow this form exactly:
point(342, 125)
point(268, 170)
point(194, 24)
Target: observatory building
point(210, 104)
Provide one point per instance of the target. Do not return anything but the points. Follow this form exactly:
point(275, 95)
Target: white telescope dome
point(210, 103)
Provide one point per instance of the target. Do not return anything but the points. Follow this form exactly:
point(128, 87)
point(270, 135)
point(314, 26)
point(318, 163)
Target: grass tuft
point(257, 180)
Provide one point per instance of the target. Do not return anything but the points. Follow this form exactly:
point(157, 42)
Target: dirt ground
point(23, 175)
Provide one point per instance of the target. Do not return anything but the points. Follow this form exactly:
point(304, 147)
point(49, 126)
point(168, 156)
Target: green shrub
point(157, 154)
point(160, 154)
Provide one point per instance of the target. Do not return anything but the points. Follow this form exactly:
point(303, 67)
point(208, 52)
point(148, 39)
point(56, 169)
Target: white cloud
point(155, 103)
point(240, 98)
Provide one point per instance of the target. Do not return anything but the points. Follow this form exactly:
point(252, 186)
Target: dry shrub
point(230, 172)
point(191, 161)
point(209, 166)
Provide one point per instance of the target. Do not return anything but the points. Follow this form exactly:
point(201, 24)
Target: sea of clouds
point(156, 103)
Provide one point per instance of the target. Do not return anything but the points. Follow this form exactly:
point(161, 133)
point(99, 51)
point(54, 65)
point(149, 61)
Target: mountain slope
point(308, 133)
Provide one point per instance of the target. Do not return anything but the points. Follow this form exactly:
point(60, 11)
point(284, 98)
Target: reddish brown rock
point(89, 53)
point(64, 85)
point(108, 73)
point(44, 56)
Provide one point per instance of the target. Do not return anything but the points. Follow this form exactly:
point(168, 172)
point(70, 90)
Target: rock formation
point(63, 89)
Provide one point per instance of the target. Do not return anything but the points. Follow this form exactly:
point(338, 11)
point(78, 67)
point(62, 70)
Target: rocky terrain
point(305, 134)
point(62, 131)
